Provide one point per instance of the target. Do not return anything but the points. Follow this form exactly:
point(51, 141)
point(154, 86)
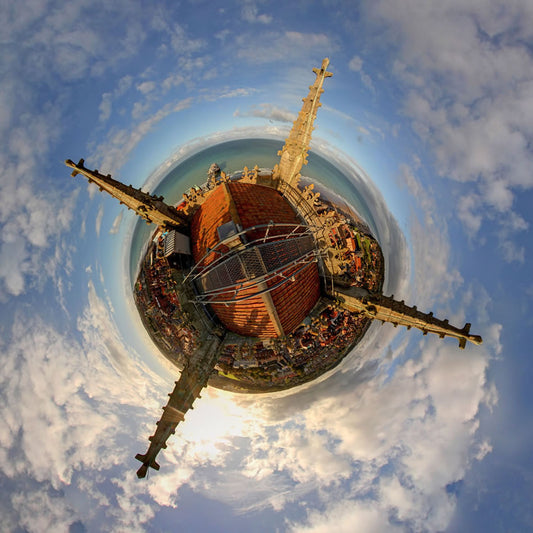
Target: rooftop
point(255, 260)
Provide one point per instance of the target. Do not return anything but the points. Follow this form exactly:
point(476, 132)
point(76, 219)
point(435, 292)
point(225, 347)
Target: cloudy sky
point(433, 101)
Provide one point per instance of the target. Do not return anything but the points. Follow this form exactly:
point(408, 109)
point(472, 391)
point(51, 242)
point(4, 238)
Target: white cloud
point(124, 84)
point(290, 45)
point(384, 446)
point(369, 130)
point(468, 210)
point(13, 267)
point(98, 220)
point(146, 87)
point(512, 252)
point(356, 64)
point(177, 37)
point(114, 152)
point(69, 409)
point(345, 516)
point(250, 13)
point(172, 81)
point(222, 35)
point(511, 223)
point(32, 220)
point(40, 511)
point(44, 398)
point(139, 109)
point(39, 82)
point(436, 279)
point(420, 420)
point(58, 44)
point(466, 68)
point(268, 111)
point(59, 50)
point(105, 107)
point(419, 193)
point(237, 92)
point(116, 223)
point(484, 448)
point(308, 456)
point(421, 423)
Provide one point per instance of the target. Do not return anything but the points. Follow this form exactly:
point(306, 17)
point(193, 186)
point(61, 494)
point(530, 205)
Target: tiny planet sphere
point(256, 282)
point(256, 264)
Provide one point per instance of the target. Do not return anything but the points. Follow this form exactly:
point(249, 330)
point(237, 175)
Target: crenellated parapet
point(187, 389)
point(387, 309)
point(149, 207)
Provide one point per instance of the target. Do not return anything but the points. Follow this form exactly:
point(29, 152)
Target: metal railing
point(289, 232)
point(255, 262)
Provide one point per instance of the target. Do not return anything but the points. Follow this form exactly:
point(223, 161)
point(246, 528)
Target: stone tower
point(150, 207)
point(293, 155)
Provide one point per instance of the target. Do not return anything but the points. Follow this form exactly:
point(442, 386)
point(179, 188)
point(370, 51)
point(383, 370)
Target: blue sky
point(433, 101)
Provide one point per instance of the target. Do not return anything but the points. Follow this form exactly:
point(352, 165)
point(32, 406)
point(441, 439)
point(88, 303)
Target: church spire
point(386, 309)
point(150, 207)
point(294, 152)
point(187, 389)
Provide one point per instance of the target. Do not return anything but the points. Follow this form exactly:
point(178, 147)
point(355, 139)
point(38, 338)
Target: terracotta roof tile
point(255, 205)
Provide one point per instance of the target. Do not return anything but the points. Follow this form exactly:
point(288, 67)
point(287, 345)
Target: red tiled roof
point(295, 299)
point(255, 205)
point(212, 213)
point(249, 318)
